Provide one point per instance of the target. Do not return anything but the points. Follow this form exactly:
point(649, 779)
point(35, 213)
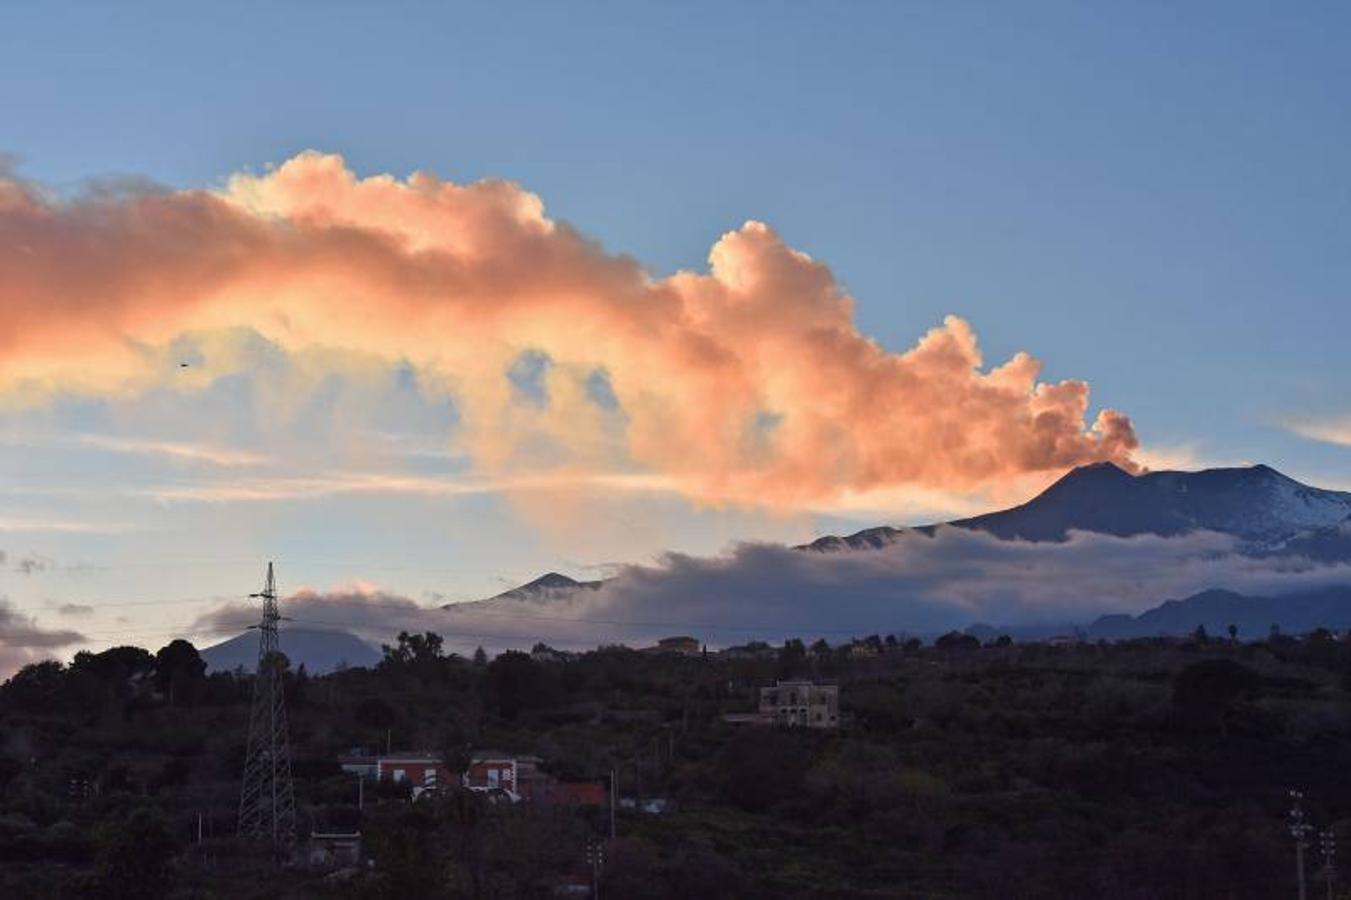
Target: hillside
point(1216, 610)
point(1256, 504)
point(319, 651)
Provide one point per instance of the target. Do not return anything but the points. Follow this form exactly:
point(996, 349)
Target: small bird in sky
point(184, 365)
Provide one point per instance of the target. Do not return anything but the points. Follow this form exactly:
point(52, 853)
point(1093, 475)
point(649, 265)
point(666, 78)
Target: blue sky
point(1152, 197)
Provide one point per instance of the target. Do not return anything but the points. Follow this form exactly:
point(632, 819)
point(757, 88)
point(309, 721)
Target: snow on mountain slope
point(1256, 504)
point(548, 585)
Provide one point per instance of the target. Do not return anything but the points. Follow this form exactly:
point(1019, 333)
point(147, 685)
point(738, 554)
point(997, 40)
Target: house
point(424, 772)
point(514, 777)
point(359, 763)
point(801, 704)
point(519, 776)
point(798, 704)
point(328, 850)
point(572, 793)
point(862, 650)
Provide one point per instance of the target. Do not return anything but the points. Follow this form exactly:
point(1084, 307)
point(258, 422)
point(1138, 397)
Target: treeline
point(1148, 768)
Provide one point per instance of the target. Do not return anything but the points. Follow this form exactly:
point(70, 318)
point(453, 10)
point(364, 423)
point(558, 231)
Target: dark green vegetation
point(1146, 769)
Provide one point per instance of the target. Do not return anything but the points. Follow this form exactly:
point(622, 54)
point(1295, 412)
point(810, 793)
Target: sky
point(565, 348)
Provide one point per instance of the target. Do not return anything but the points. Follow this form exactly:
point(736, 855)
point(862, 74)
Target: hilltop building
point(794, 704)
point(802, 704)
point(684, 645)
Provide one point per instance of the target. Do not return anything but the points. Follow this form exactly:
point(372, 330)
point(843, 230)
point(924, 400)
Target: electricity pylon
point(267, 802)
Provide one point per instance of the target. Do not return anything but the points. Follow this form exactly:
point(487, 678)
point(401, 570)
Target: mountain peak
point(550, 581)
point(1097, 472)
point(546, 586)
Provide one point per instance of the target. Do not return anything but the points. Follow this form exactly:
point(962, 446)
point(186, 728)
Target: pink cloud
point(748, 383)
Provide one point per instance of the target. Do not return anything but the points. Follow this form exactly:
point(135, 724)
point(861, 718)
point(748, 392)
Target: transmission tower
point(267, 803)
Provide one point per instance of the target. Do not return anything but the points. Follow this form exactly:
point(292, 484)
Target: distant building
point(862, 650)
point(794, 704)
point(753, 650)
point(572, 793)
point(423, 772)
point(801, 704)
point(514, 777)
point(680, 646)
point(329, 850)
point(360, 763)
point(518, 776)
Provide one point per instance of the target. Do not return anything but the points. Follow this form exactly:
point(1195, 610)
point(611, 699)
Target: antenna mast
point(267, 803)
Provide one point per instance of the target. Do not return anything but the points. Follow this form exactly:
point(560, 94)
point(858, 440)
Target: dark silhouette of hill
point(1216, 610)
point(320, 651)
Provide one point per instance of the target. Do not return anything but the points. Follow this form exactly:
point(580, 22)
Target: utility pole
point(1327, 846)
point(638, 781)
point(267, 804)
point(614, 787)
point(595, 855)
point(1299, 830)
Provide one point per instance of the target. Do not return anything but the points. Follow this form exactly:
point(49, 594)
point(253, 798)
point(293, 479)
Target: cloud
point(23, 641)
point(749, 383)
point(299, 487)
point(360, 608)
point(216, 456)
point(918, 584)
point(31, 564)
point(929, 584)
point(1327, 429)
point(60, 526)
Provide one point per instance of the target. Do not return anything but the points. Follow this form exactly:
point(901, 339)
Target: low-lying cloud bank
point(748, 383)
point(23, 641)
point(919, 584)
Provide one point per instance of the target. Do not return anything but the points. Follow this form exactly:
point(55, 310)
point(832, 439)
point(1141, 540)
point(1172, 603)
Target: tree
point(480, 657)
point(516, 683)
point(791, 658)
point(118, 666)
point(1206, 691)
point(179, 668)
point(1233, 632)
point(418, 650)
point(375, 712)
point(957, 641)
point(35, 688)
point(133, 857)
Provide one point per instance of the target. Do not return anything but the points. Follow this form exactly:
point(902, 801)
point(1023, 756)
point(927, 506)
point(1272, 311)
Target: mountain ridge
point(1256, 504)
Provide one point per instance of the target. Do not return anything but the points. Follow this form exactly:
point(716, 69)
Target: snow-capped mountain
point(1256, 504)
point(1331, 543)
point(550, 584)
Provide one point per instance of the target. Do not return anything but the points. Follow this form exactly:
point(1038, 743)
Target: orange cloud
point(750, 383)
